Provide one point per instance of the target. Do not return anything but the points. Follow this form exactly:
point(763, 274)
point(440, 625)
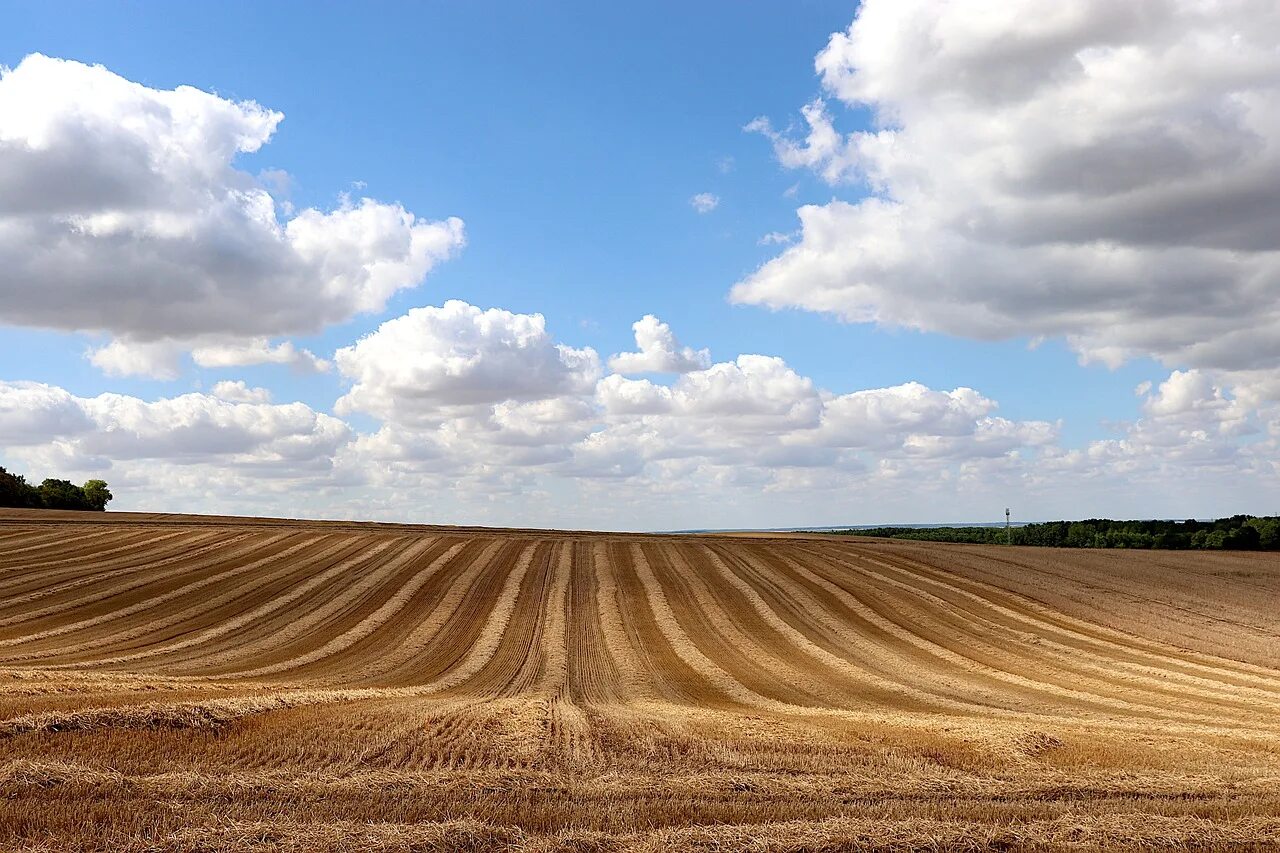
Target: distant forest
point(1237, 533)
point(15, 491)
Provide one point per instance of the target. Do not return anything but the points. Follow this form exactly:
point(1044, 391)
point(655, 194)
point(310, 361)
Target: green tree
point(1215, 540)
point(16, 491)
point(97, 494)
point(1243, 538)
point(62, 494)
point(1268, 532)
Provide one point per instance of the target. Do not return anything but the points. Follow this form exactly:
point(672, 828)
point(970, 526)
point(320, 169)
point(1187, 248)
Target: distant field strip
point(154, 656)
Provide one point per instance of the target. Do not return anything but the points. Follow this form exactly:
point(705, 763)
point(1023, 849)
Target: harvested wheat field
point(223, 684)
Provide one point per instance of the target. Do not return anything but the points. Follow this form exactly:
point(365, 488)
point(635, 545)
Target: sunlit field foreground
point(221, 684)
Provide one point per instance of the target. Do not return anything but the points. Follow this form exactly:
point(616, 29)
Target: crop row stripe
point(365, 627)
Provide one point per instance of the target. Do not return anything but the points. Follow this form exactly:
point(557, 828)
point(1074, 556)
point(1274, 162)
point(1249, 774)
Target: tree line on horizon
point(15, 491)
point(1236, 533)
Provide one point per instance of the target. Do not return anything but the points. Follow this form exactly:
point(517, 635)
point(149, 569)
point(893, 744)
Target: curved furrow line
point(888, 618)
point(139, 598)
point(687, 650)
point(151, 604)
point(1106, 577)
point(272, 605)
point(430, 637)
point(85, 587)
point(909, 625)
point(23, 556)
point(517, 664)
point(879, 576)
point(82, 594)
point(141, 557)
point(553, 678)
point(720, 627)
point(220, 709)
point(41, 540)
point(1150, 660)
point(364, 628)
point(970, 636)
point(404, 662)
point(881, 638)
point(592, 668)
point(633, 671)
point(310, 621)
point(860, 634)
point(1088, 634)
point(939, 655)
point(138, 549)
point(491, 634)
point(136, 637)
point(730, 631)
point(146, 576)
point(670, 677)
point(72, 554)
point(865, 677)
point(1085, 668)
point(13, 534)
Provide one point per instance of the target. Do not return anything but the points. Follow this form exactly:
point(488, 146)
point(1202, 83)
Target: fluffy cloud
point(238, 392)
point(122, 210)
point(32, 413)
point(433, 362)
point(1105, 172)
point(258, 351)
point(464, 392)
point(484, 416)
point(759, 393)
point(823, 150)
point(1191, 429)
point(705, 202)
point(195, 452)
point(758, 413)
point(156, 359)
point(56, 430)
point(776, 238)
point(658, 351)
point(164, 359)
point(884, 417)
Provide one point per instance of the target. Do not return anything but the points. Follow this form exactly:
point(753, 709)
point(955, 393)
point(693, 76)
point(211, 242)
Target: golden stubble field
point(222, 684)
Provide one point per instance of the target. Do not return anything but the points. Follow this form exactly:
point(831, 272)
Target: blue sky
point(570, 139)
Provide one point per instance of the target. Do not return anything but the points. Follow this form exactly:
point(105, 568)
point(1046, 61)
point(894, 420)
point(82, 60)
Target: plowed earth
point(221, 684)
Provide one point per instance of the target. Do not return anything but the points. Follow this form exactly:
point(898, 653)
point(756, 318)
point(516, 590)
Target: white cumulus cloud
point(465, 393)
point(32, 413)
point(57, 430)
point(824, 149)
point(658, 351)
point(155, 359)
point(122, 210)
point(163, 359)
point(704, 202)
point(259, 351)
point(237, 391)
point(1108, 173)
point(424, 365)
